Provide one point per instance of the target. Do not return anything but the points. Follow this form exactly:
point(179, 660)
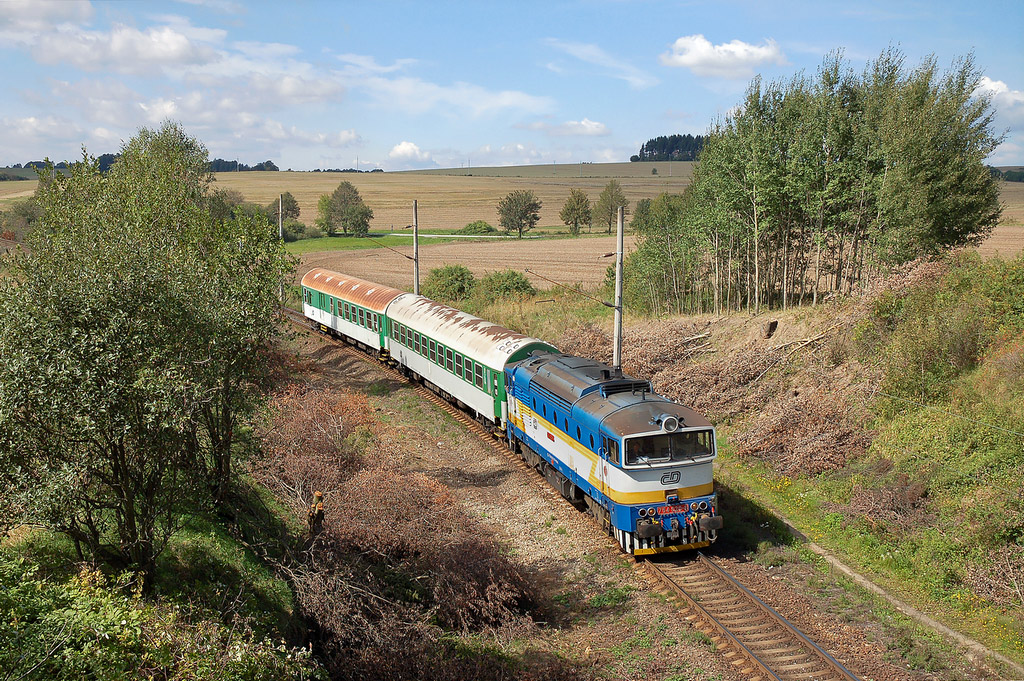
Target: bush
point(478, 227)
point(449, 284)
point(88, 626)
point(505, 284)
point(295, 230)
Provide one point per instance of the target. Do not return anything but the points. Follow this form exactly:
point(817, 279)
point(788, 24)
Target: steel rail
point(821, 653)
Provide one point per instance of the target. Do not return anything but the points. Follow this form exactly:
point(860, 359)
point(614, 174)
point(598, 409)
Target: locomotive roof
point(484, 341)
point(623, 405)
point(364, 293)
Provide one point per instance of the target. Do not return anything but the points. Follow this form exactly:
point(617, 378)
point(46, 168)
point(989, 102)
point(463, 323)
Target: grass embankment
point(934, 509)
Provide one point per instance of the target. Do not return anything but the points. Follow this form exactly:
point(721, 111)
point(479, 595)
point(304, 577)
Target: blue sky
point(402, 85)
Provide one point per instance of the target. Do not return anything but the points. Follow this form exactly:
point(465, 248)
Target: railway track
point(748, 632)
point(752, 635)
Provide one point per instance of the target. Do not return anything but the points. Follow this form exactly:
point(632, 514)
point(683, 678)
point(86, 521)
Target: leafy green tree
point(133, 335)
point(289, 208)
point(449, 284)
point(576, 211)
point(608, 203)
point(344, 209)
point(519, 211)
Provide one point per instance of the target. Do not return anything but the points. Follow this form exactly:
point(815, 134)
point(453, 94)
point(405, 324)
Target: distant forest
point(671, 148)
point(1007, 175)
point(219, 165)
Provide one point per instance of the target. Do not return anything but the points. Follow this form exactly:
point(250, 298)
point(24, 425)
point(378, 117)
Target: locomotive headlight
point(703, 505)
point(669, 424)
point(652, 511)
point(642, 512)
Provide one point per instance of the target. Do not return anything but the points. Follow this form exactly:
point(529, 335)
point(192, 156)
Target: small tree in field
point(519, 211)
point(344, 209)
point(576, 211)
point(289, 208)
point(606, 212)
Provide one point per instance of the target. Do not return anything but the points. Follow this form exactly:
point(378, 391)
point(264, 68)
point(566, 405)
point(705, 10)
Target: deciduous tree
point(608, 203)
point(519, 211)
point(576, 211)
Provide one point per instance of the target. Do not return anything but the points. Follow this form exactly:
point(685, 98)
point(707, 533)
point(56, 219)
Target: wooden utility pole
point(415, 248)
point(617, 353)
point(280, 231)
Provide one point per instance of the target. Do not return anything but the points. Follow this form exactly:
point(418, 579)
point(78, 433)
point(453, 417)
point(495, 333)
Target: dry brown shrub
point(899, 505)
point(647, 347)
point(412, 520)
point(807, 431)
point(721, 386)
point(587, 340)
point(1000, 578)
point(314, 441)
point(906, 277)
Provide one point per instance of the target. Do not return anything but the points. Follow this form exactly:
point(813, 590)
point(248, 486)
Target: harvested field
point(569, 261)
point(449, 202)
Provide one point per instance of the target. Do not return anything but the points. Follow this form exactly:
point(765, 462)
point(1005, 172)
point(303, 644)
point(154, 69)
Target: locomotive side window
point(591, 440)
point(579, 434)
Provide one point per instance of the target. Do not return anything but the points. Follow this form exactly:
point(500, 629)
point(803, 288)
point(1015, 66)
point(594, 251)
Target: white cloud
point(614, 67)
point(407, 151)
point(124, 49)
point(1009, 104)
point(1009, 153)
point(360, 64)
point(735, 59)
point(42, 14)
point(584, 128)
point(413, 95)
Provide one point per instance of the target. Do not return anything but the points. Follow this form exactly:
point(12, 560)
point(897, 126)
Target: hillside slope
point(889, 427)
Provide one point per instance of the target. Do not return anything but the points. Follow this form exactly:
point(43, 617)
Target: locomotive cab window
point(669, 447)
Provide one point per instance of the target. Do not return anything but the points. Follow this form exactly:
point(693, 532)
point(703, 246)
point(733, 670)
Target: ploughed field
point(568, 261)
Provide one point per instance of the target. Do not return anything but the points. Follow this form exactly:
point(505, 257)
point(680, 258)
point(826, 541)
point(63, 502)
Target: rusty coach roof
point(359, 291)
point(485, 341)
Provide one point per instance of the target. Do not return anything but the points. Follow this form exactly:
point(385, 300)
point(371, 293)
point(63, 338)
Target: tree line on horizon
point(817, 183)
point(670, 148)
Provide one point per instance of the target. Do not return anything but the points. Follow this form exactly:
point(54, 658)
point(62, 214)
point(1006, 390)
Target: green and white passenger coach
point(461, 356)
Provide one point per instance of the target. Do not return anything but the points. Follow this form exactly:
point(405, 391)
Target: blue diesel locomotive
point(639, 462)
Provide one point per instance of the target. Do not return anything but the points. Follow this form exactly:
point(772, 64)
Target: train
point(639, 462)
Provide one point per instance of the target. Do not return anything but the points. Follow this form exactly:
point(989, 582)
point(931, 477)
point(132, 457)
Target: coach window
point(480, 376)
point(458, 365)
point(433, 351)
point(332, 305)
point(449, 359)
